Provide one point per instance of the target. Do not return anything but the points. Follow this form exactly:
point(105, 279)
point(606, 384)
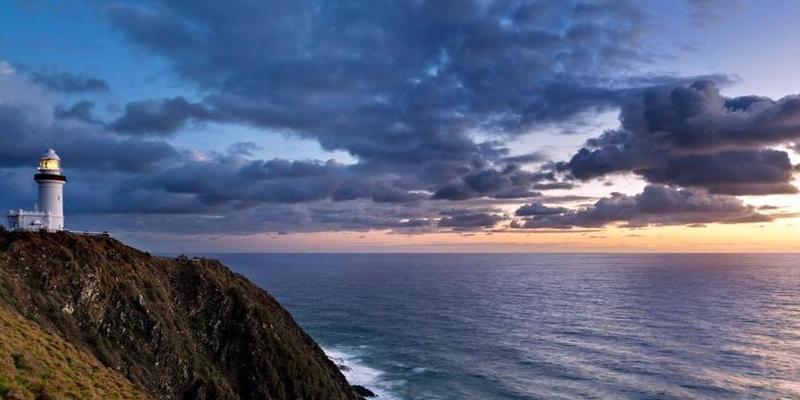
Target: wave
point(358, 373)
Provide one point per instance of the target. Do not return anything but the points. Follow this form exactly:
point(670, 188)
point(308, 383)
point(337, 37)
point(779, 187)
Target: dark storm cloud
point(461, 219)
point(161, 118)
point(693, 136)
point(379, 190)
point(279, 217)
point(656, 205)
point(96, 162)
point(389, 194)
point(82, 111)
point(406, 88)
point(192, 193)
point(538, 209)
point(526, 158)
point(150, 185)
point(365, 216)
point(400, 85)
point(225, 181)
point(25, 136)
point(508, 183)
point(70, 83)
point(736, 172)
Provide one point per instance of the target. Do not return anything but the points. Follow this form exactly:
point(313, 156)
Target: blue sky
point(413, 120)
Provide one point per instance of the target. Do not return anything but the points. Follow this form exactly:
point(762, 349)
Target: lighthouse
point(49, 215)
point(51, 182)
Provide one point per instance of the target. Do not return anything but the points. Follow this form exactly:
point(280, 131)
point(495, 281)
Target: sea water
point(540, 326)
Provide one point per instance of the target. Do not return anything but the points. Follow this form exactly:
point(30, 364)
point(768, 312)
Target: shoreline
point(358, 373)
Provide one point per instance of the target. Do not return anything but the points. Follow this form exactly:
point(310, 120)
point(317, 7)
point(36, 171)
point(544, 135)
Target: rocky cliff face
point(175, 329)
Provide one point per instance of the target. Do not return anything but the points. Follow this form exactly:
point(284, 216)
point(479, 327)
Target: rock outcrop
point(175, 329)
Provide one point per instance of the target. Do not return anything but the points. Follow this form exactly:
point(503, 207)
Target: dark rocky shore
point(167, 329)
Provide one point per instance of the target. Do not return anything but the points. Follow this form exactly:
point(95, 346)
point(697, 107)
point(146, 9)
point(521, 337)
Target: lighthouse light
point(48, 164)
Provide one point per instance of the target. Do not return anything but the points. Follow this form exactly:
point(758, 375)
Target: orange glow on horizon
point(782, 235)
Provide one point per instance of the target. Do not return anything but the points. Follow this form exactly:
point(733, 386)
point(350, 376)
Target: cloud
point(81, 111)
point(25, 136)
point(553, 185)
point(231, 180)
point(69, 83)
point(460, 219)
point(160, 118)
point(534, 157)
point(6, 68)
point(402, 87)
point(232, 192)
point(100, 161)
point(693, 136)
point(425, 97)
point(656, 205)
point(508, 183)
point(537, 208)
point(243, 148)
point(741, 172)
point(127, 182)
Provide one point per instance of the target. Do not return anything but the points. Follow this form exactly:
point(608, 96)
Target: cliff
point(169, 328)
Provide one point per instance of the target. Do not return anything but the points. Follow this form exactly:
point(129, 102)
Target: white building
point(49, 214)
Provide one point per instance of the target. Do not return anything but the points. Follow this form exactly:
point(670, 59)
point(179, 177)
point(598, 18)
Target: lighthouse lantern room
point(49, 214)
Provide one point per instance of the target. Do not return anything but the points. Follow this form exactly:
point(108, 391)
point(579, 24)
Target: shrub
point(19, 361)
point(5, 387)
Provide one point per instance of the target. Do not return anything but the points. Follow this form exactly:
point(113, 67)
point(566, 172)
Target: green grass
point(36, 364)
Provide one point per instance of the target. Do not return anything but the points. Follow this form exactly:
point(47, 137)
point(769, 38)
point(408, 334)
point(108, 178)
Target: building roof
point(26, 212)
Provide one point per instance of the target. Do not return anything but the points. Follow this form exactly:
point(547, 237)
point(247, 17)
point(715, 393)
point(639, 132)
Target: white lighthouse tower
point(49, 215)
point(51, 189)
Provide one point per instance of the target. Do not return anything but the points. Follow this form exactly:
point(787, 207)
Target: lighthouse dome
point(50, 161)
point(51, 155)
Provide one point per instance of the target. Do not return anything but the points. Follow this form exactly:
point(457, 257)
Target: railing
point(89, 233)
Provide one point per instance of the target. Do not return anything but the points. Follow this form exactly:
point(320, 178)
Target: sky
point(410, 126)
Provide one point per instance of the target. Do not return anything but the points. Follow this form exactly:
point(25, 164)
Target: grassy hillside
point(35, 364)
point(176, 329)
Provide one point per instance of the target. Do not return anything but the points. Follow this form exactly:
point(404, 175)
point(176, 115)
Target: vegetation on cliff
point(172, 328)
point(35, 364)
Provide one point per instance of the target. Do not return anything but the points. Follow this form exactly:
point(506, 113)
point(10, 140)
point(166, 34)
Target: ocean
point(547, 326)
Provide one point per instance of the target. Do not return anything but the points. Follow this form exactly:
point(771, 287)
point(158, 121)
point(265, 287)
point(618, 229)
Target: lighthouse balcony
point(49, 177)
